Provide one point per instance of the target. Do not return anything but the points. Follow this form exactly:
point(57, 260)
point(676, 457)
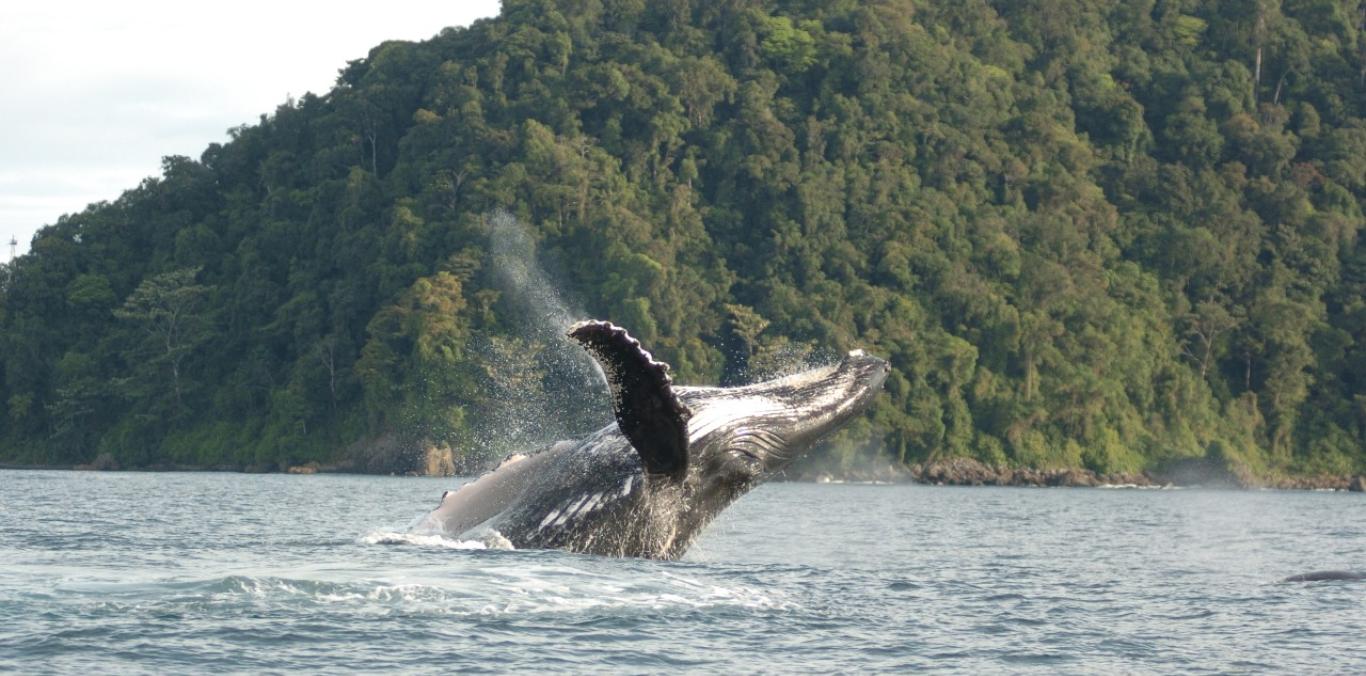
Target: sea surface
point(180, 572)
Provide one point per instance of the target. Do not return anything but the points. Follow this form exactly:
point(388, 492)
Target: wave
point(516, 592)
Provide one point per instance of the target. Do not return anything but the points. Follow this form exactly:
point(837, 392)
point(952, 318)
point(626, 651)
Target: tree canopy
point(1086, 234)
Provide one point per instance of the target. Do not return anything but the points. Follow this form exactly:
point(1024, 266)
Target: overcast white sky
point(93, 94)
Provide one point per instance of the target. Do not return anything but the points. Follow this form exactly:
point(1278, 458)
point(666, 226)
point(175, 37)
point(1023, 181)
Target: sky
point(94, 94)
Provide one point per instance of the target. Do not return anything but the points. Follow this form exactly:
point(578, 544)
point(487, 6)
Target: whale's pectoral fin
point(648, 413)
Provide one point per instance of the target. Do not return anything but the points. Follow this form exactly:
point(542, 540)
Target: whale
point(647, 484)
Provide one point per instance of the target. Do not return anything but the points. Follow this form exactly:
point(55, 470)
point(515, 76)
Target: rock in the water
point(1357, 484)
point(438, 460)
point(1079, 477)
point(956, 472)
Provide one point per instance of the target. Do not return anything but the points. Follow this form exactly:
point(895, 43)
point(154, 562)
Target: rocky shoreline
point(385, 456)
point(970, 472)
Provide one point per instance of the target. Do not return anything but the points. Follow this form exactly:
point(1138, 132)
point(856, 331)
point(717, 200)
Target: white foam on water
point(537, 602)
point(506, 589)
point(492, 539)
point(423, 540)
point(376, 596)
point(542, 591)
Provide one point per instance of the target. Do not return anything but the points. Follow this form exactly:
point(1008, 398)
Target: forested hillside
point(1086, 233)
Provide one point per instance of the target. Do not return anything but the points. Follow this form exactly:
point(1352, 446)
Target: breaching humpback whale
point(647, 484)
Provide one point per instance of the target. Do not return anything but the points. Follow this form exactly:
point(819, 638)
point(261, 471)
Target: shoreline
point(969, 472)
point(949, 472)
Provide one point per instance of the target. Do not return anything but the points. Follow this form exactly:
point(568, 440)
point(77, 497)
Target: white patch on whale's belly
point(548, 519)
point(574, 509)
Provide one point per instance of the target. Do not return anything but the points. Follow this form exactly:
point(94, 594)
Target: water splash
point(780, 358)
point(545, 386)
point(514, 259)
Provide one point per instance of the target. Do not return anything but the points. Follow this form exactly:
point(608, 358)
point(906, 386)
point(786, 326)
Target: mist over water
point(176, 573)
point(548, 388)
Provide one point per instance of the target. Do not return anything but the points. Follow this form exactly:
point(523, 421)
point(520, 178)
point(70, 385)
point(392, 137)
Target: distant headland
point(1106, 242)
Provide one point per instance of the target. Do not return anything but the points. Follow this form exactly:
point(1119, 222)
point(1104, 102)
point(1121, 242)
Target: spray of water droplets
point(545, 386)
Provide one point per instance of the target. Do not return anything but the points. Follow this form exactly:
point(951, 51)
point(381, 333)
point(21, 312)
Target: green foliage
point(410, 367)
point(166, 312)
point(1188, 29)
point(790, 48)
point(1099, 234)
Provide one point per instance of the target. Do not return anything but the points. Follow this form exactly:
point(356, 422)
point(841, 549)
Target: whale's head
point(748, 432)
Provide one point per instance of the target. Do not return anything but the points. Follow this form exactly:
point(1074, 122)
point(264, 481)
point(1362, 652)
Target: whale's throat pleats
point(648, 413)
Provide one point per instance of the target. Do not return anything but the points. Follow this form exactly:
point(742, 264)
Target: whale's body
point(649, 483)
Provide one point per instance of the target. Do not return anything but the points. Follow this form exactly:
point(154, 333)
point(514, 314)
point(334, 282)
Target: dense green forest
point(1086, 233)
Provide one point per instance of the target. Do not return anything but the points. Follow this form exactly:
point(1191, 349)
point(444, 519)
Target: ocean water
point(132, 572)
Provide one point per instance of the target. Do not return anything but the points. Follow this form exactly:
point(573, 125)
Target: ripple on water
point(793, 578)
